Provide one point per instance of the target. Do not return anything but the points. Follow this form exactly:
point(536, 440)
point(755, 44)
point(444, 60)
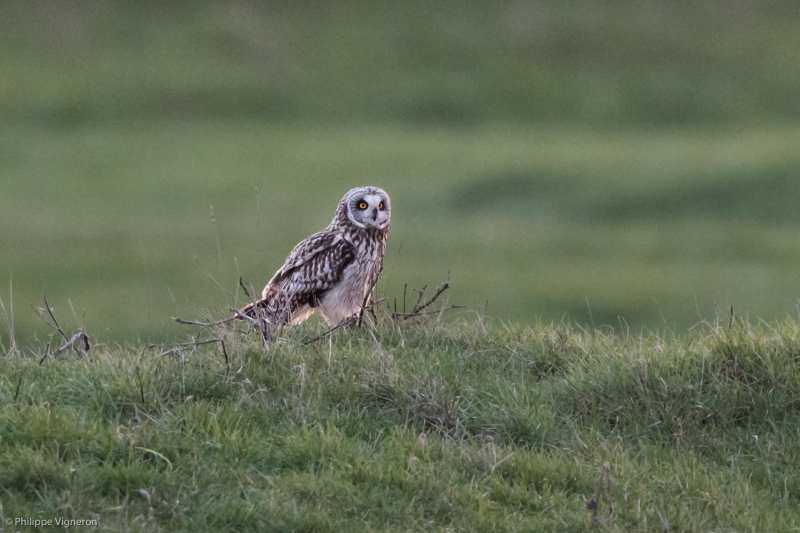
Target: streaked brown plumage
point(333, 271)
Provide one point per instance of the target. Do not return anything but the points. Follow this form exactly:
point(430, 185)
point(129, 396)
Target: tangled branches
point(79, 340)
point(372, 308)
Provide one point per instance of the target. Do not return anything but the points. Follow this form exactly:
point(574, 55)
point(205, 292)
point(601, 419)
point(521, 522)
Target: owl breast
point(348, 296)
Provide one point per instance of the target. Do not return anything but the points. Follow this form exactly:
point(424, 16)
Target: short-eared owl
point(335, 270)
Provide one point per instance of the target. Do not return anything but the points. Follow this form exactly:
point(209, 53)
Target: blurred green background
point(581, 160)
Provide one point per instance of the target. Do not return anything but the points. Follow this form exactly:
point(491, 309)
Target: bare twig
point(246, 292)
point(80, 336)
point(371, 309)
point(193, 343)
point(259, 320)
point(363, 307)
point(46, 353)
point(419, 307)
point(84, 345)
point(243, 316)
point(265, 327)
point(171, 351)
point(16, 392)
point(203, 324)
point(434, 312)
point(342, 324)
point(55, 325)
point(224, 353)
point(368, 306)
point(421, 294)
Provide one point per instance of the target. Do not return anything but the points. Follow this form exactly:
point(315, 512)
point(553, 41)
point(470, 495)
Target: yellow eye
point(362, 205)
point(380, 206)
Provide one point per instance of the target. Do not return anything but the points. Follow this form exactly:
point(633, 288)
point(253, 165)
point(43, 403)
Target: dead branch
point(421, 294)
point(342, 324)
point(80, 336)
point(368, 306)
point(419, 307)
point(265, 326)
point(243, 316)
point(171, 351)
point(363, 307)
point(176, 344)
point(246, 293)
point(84, 346)
point(434, 312)
point(67, 345)
point(371, 309)
point(203, 324)
point(193, 343)
point(418, 310)
point(55, 325)
point(46, 353)
point(259, 320)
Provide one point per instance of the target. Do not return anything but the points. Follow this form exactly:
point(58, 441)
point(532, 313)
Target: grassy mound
point(471, 426)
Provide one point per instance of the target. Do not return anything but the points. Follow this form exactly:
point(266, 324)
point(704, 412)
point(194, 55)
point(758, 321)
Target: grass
point(472, 425)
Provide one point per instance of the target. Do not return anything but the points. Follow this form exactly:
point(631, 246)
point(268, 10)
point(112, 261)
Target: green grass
point(604, 163)
point(618, 163)
point(419, 62)
point(469, 426)
point(656, 227)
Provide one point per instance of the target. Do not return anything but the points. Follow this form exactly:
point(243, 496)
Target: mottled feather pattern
point(332, 271)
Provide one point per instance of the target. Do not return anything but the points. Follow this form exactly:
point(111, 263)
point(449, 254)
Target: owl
point(334, 271)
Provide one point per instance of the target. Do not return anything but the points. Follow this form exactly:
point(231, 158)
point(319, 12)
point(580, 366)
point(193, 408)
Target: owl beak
point(374, 222)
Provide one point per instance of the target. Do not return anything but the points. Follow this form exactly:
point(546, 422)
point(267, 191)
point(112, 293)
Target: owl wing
point(307, 249)
point(315, 265)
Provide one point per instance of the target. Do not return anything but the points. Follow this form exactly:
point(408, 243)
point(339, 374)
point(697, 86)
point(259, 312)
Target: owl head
point(366, 207)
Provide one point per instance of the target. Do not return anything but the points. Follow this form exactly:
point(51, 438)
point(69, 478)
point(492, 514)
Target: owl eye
point(380, 206)
point(362, 205)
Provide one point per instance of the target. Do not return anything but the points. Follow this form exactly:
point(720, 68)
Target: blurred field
point(558, 159)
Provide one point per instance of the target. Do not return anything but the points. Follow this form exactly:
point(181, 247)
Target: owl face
point(368, 207)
